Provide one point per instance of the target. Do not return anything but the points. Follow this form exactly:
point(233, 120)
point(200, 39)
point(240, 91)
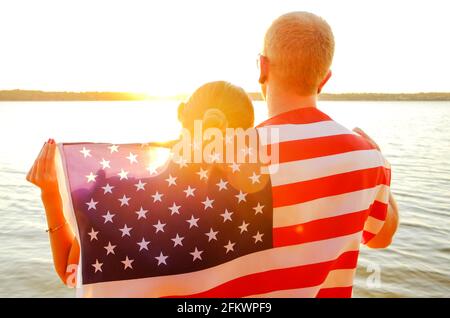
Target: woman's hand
point(43, 171)
point(361, 132)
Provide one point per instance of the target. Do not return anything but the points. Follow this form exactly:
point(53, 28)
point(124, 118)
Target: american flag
point(139, 214)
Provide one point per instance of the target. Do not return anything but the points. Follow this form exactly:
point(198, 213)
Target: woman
point(218, 104)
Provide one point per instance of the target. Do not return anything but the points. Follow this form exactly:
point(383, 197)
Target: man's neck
point(281, 101)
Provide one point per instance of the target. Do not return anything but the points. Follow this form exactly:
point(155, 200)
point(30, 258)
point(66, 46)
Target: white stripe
point(203, 280)
point(328, 206)
point(308, 169)
point(336, 278)
point(373, 225)
point(289, 132)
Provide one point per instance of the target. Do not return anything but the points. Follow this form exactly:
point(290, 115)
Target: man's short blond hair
point(300, 48)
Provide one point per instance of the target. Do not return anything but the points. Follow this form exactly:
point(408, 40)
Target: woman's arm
point(62, 240)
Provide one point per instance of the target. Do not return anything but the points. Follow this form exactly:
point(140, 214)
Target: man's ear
point(263, 69)
point(181, 108)
point(324, 81)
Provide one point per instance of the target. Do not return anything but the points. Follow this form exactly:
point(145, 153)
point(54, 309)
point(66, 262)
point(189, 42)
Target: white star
point(141, 213)
point(182, 162)
point(143, 244)
point(113, 148)
point(123, 174)
point(127, 263)
point(140, 185)
point(152, 170)
point(91, 177)
point(234, 167)
point(192, 221)
point(177, 240)
point(92, 204)
point(189, 191)
point(174, 209)
point(161, 259)
point(215, 157)
point(241, 196)
point(107, 188)
point(255, 178)
point(222, 185)
point(110, 248)
point(124, 200)
point(105, 164)
point(196, 254)
point(125, 230)
point(208, 203)
point(226, 216)
point(157, 197)
point(229, 246)
point(171, 180)
point(108, 217)
point(243, 227)
point(258, 208)
point(97, 266)
point(132, 158)
point(203, 174)
point(159, 226)
point(93, 234)
point(212, 235)
point(258, 237)
point(86, 152)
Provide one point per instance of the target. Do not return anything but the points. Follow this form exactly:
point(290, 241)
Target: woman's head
point(218, 104)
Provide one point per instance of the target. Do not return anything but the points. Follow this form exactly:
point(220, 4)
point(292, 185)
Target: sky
point(170, 47)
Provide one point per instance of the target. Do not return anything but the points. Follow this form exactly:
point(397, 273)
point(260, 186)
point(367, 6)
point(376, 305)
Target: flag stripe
point(336, 292)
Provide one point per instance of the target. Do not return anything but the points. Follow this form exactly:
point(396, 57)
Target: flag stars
point(143, 245)
point(177, 240)
point(203, 174)
point(196, 254)
point(222, 185)
point(140, 185)
point(258, 209)
point(152, 170)
point(126, 231)
point(212, 235)
point(255, 178)
point(171, 180)
point(113, 148)
point(93, 234)
point(159, 226)
point(86, 152)
point(182, 162)
point(234, 167)
point(123, 174)
point(92, 204)
point(142, 213)
point(105, 163)
point(97, 266)
point(124, 200)
point(174, 209)
point(157, 197)
point(161, 259)
point(243, 227)
point(127, 263)
point(226, 216)
point(107, 189)
point(193, 221)
point(110, 248)
point(208, 203)
point(91, 177)
point(108, 217)
point(229, 247)
point(132, 157)
point(189, 192)
point(258, 237)
point(241, 196)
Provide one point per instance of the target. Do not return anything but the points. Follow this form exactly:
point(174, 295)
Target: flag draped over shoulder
point(151, 227)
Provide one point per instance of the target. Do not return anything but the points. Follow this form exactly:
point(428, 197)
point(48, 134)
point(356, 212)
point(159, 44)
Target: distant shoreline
point(36, 95)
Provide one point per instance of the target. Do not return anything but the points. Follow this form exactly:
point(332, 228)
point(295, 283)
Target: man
point(331, 188)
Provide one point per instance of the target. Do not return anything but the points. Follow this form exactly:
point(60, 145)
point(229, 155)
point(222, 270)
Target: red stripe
point(378, 210)
point(304, 191)
point(367, 236)
point(280, 279)
point(320, 229)
point(318, 147)
point(336, 292)
point(297, 116)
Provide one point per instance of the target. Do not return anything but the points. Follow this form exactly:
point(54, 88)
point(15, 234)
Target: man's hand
point(43, 171)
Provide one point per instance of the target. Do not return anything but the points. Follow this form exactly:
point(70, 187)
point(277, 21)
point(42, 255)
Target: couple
point(330, 193)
